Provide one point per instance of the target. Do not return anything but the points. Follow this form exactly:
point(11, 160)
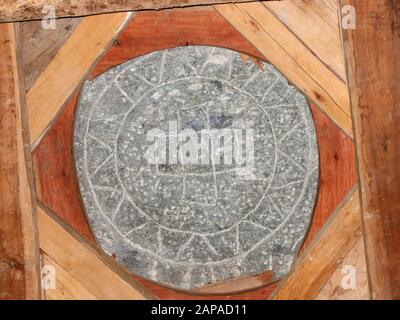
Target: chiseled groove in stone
point(188, 226)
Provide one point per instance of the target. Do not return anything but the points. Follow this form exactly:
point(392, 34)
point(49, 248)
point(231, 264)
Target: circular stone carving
point(190, 221)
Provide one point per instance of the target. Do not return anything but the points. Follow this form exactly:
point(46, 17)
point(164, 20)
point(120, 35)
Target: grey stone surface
point(189, 225)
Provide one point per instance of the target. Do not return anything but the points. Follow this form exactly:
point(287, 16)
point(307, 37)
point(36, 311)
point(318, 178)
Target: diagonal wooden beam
point(40, 46)
point(90, 40)
point(316, 265)
point(373, 63)
point(33, 10)
point(237, 285)
point(19, 252)
point(66, 286)
point(315, 23)
point(293, 58)
point(82, 265)
point(349, 281)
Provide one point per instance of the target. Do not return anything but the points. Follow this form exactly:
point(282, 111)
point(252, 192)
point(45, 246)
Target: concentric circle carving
point(187, 223)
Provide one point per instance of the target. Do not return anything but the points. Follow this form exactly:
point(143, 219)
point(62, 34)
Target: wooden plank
point(371, 52)
point(92, 268)
point(237, 285)
point(66, 286)
point(39, 46)
point(283, 49)
point(19, 252)
point(316, 24)
point(165, 293)
point(340, 286)
point(67, 70)
point(316, 265)
point(21, 10)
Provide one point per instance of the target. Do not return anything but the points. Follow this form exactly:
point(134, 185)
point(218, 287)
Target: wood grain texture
point(336, 149)
point(93, 269)
point(40, 46)
point(12, 10)
point(237, 285)
point(67, 287)
point(334, 289)
point(67, 70)
point(372, 56)
point(316, 24)
point(319, 261)
point(19, 252)
point(293, 58)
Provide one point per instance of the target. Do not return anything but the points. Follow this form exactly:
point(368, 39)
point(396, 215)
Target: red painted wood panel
point(153, 31)
point(55, 178)
point(337, 170)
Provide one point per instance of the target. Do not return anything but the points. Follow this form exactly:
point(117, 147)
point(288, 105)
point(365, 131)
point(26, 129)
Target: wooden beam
point(237, 285)
point(83, 263)
point(373, 63)
point(319, 261)
point(33, 10)
point(66, 286)
point(293, 58)
point(316, 24)
point(349, 281)
point(19, 252)
point(40, 46)
point(90, 40)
